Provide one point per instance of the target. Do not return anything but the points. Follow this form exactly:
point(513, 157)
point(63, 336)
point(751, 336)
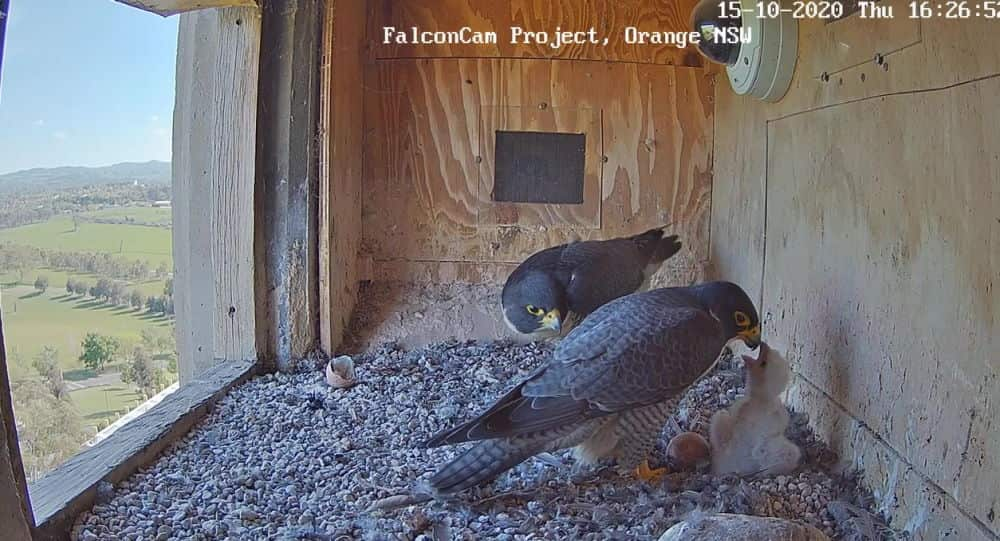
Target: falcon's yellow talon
point(644, 473)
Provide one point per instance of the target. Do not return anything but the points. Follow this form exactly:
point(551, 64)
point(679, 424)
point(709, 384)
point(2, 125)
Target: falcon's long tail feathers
point(655, 246)
point(482, 463)
point(472, 430)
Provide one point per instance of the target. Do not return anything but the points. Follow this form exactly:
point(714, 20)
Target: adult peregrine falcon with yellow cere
point(610, 385)
point(578, 278)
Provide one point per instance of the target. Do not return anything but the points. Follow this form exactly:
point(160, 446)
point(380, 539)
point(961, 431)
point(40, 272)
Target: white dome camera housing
point(759, 52)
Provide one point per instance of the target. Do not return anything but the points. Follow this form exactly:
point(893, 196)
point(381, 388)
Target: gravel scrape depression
point(286, 457)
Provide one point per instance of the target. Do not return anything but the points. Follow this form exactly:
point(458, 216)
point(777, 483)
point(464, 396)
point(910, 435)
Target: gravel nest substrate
point(286, 457)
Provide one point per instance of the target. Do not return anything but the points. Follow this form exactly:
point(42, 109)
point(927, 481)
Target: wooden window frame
point(246, 236)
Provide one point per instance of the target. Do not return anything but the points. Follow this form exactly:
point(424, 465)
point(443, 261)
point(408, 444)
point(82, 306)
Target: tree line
point(112, 292)
point(17, 209)
point(19, 258)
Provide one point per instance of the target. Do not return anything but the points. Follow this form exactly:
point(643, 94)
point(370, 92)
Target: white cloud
point(39, 122)
point(61, 135)
point(154, 118)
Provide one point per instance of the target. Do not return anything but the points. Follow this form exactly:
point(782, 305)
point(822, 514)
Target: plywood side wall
point(341, 127)
point(862, 211)
point(427, 209)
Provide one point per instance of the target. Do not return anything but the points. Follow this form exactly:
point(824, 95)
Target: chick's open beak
point(551, 320)
point(751, 336)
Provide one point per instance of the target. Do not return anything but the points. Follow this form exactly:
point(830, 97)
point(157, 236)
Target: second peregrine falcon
point(610, 386)
point(578, 278)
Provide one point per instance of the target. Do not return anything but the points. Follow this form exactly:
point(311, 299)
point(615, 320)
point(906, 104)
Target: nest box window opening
point(539, 167)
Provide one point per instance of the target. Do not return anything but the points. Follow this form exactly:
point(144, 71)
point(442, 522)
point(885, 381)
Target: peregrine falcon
point(578, 278)
point(610, 385)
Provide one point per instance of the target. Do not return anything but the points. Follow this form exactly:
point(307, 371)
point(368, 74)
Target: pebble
point(286, 457)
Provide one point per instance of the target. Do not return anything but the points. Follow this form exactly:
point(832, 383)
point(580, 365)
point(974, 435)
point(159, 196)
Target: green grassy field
point(148, 215)
point(130, 242)
point(33, 320)
point(57, 280)
point(152, 244)
point(107, 403)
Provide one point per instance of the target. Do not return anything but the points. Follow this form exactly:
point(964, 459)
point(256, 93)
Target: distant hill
point(151, 172)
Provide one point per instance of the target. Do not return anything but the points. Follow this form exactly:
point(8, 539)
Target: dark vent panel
point(539, 167)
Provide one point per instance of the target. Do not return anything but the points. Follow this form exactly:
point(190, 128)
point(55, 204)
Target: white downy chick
point(749, 437)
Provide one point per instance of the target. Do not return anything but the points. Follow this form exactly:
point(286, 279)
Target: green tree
point(102, 290)
point(140, 270)
point(98, 350)
point(17, 364)
point(172, 362)
point(157, 340)
point(117, 294)
point(137, 299)
point(42, 283)
point(144, 372)
point(81, 287)
point(157, 305)
point(46, 363)
point(49, 430)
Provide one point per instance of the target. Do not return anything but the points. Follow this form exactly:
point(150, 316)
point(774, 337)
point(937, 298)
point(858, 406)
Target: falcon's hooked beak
point(551, 320)
point(751, 336)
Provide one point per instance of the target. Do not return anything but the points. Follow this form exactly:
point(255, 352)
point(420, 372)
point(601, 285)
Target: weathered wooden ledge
point(65, 492)
point(173, 7)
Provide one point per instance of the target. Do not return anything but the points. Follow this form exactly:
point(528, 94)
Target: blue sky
point(85, 82)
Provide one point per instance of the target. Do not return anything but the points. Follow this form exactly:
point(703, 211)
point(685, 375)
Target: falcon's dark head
point(734, 309)
point(534, 303)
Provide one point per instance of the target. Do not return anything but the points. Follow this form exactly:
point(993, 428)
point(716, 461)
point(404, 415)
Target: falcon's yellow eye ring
point(534, 311)
point(742, 319)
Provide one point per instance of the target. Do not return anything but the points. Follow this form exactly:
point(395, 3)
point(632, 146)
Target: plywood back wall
point(608, 19)
point(862, 211)
point(430, 114)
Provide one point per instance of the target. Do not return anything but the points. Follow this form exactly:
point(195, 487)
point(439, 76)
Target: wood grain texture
point(834, 47)
point(877, 239)
point(213, 179)
point(608, 19)
point(423, 200)
point(191, 214)
point(341, 161)
point(232, 172)
point(886, 296)
point(737, 234)
point(540, 118)
point(421, 180)
point(172, 7)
